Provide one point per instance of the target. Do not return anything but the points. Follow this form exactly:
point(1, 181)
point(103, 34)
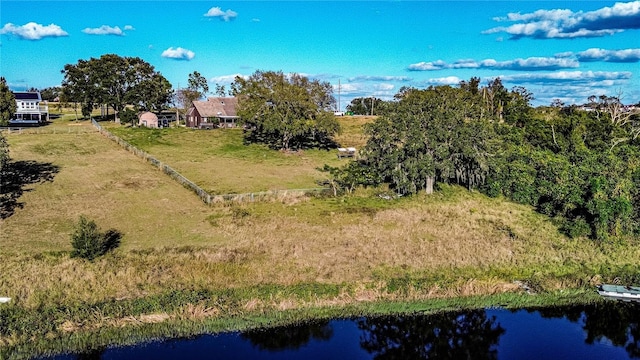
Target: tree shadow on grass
point(16, 177)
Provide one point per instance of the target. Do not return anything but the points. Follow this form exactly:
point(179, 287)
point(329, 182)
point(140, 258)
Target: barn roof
point(221, 107)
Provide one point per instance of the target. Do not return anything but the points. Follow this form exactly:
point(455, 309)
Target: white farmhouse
point(31, 110)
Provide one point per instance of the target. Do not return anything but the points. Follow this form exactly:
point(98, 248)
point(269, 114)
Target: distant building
point(156, 120)
point(214, 112)
point(31, 110)
point(148, 119)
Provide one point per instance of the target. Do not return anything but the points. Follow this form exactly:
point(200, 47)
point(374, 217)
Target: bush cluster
point(89, 242)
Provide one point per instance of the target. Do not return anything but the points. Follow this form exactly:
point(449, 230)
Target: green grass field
point(285, 254)
point(219, 163)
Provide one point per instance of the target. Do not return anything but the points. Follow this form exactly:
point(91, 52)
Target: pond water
point(604, 331)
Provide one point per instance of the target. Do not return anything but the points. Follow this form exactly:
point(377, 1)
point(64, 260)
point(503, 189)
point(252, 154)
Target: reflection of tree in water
point(93, 354)
point(469, 335)
point(617, 322)
point(288, 337)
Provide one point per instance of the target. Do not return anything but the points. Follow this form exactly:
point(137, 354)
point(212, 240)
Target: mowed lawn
point(219, 162)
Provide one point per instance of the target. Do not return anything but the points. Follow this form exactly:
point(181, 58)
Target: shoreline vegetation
point(99, 326)
point(185, 268)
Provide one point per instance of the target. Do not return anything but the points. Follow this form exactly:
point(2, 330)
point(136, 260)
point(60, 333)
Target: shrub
point(89, 243)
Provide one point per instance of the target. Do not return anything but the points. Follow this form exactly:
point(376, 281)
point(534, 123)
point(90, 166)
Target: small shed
point(148, 119)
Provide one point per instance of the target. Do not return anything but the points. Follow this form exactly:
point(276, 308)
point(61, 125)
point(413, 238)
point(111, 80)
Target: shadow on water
point(15, 179)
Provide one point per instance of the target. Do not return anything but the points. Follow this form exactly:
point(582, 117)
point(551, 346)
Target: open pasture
point(219, 162)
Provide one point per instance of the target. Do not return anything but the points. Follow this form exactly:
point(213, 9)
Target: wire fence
point(11, 130)
point(206, 197)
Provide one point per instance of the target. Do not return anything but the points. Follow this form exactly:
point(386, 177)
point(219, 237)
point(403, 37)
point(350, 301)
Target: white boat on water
point(620, 292)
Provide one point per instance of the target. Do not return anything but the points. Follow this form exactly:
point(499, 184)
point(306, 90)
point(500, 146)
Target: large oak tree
point(116, 81)
point(287, 112)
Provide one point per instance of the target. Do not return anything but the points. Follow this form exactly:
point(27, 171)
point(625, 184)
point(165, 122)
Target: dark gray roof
point(24, 95)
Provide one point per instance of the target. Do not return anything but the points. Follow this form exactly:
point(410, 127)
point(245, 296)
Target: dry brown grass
point(352, 135)
point(173, 241)
point(284, 250)
point(100, 180)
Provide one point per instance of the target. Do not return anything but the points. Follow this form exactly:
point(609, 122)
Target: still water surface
point(603, 331)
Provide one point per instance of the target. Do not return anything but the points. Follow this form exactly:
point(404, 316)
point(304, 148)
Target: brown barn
point(213, 112)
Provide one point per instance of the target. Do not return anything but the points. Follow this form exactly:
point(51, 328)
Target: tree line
point(581, 167)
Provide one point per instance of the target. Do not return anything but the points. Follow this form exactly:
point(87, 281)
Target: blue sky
point(563, 50)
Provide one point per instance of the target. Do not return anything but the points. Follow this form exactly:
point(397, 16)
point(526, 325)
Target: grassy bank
point(184, 267)
point(188, 313)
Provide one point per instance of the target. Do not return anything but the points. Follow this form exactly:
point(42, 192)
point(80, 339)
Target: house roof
point(148, 116)
point(221, 107)
point(26, 95)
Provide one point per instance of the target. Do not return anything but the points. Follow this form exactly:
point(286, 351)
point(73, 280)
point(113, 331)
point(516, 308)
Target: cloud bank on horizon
point(576, 61)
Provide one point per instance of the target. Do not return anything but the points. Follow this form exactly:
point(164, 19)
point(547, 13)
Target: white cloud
point(33, 31)
point(350, 89)
point(449, 80)
point(426, 66)
point(594, 54)
point(587, 78)
point(128, 28)
point(223, 15)
point(385, 87)
point(532, 63)
point(178, 54)
point(566, 24)
point(104, 30)
point(226, 79)
point(379, 78)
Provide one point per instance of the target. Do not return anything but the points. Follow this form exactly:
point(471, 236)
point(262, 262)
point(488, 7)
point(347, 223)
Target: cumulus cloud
point(178, 54)
point(620, 56)
point(128, 28)
point(33, 31)
point(449, 80)
point(222, 15)
point(566, 24)
point(531, 64)
point(104, 30)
